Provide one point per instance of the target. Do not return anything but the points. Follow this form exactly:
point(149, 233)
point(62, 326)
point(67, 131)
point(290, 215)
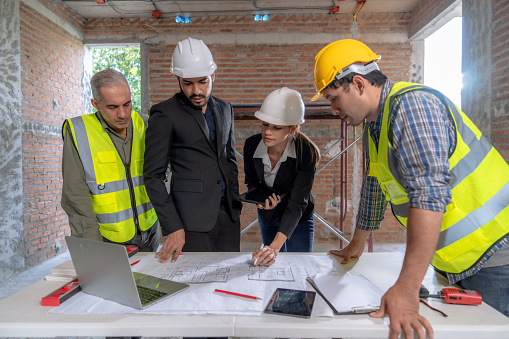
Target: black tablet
point(258, 195)
point(295, 303)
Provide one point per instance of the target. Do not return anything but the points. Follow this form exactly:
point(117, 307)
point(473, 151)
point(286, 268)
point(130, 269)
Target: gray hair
point(106, 78)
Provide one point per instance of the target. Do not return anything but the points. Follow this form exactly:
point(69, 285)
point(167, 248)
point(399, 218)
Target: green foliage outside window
point(124, 60)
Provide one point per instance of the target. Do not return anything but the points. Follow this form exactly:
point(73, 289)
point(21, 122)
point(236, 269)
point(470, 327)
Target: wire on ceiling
point(255, 5)
point(360, 3)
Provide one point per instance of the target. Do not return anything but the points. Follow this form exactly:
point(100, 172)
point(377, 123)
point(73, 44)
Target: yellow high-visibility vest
point(119, 197)
point(478, 216)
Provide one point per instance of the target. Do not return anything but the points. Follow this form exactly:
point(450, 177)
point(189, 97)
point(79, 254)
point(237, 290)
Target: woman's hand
point(266, 255)
point(270, 203)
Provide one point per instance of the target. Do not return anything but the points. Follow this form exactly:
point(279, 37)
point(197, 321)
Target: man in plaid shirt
point(445, 182)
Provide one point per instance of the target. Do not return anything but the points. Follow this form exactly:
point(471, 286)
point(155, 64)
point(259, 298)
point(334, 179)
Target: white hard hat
point(282, 107)
point(192, 59)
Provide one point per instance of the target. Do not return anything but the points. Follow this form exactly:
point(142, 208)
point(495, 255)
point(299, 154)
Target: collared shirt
point(423, 137)
point(211, 124)
point(270, 173)
point(209, 118)
point(123, 145)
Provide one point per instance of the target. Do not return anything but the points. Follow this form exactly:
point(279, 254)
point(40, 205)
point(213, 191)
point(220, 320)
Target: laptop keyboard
point(148, 295)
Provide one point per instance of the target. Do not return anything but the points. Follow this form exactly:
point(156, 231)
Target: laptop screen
point(103, 270)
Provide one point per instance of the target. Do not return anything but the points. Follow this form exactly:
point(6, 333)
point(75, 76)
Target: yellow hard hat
point(334, 58)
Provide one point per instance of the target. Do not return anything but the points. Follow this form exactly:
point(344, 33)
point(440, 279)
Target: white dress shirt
point(270, 173)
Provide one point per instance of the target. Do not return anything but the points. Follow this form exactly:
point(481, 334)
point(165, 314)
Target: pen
point(238, 294)
point(365, 309)
point(258, 257)
point(134, 263)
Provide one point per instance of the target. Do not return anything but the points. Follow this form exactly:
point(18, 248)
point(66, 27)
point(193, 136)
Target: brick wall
point(327, 184)
point(51, 62)
point(248, 72)
point(326, 187)
point(500, 79)
point(52, 89)
point(64, 13)
point(52, 86)
point(252, 87)
point(339, 24)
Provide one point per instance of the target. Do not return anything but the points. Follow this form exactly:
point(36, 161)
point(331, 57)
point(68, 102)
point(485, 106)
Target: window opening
point(126, 60)
point(442, 60)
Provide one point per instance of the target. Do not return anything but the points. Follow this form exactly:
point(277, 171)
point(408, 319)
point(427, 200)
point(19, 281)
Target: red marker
point(134, 263)
point(238, 294)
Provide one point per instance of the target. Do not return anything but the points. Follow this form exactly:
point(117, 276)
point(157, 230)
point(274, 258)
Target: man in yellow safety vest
point(433, 165)
point(103, 190)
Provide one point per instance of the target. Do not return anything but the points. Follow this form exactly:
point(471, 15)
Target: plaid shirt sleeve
point(423, 136)
point(372, 203)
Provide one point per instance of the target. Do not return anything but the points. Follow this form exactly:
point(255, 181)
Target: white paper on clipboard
point(347, 294)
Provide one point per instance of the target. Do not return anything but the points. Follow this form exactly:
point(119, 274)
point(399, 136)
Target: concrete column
point(417, 67)
point(12, 248)
point(145, 78)
point(477, 63)
point(85, 81)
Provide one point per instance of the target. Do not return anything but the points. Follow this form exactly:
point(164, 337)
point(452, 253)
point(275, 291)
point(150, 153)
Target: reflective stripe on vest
point(107, 180)
point(478, 216)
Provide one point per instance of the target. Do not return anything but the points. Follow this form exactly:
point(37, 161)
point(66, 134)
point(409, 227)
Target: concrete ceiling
point(90, 9)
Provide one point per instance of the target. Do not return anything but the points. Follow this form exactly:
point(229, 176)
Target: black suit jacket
point(295, 177)
point(177, 132)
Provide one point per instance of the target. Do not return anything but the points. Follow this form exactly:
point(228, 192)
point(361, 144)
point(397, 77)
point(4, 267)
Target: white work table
point(21, 315)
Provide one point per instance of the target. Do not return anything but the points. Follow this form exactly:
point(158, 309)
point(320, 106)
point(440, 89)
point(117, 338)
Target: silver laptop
point(103, 270)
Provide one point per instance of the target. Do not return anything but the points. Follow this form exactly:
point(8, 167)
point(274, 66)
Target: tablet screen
point(290, 302)
point(258, 195)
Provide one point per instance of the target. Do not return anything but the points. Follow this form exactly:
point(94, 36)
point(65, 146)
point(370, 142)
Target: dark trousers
point(492, 284)
point(224, 237)
point(301, 239)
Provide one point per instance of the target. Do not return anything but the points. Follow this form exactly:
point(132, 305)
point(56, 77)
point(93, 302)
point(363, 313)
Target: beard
point(190, 102)
point(199, 96)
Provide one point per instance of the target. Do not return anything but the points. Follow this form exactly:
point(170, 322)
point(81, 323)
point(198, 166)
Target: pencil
point(258, 257)
point(238, 294)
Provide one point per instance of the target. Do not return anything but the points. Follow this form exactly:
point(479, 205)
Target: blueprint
point(222, 268)
point(207, 272)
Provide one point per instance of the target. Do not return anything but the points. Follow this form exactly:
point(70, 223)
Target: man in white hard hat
point(193, 132)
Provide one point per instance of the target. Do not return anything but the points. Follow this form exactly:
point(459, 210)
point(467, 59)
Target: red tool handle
point(461, 296)
point(57, 297)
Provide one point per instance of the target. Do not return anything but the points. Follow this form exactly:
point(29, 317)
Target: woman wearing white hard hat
point(282, 159)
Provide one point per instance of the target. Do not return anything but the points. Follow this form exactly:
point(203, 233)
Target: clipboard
point(348, 294)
